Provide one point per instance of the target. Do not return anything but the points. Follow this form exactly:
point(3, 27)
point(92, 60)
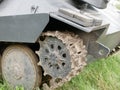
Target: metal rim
point(19, 67)
point(55, 57)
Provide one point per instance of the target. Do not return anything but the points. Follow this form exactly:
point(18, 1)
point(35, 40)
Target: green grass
point(100, 75)
point(118, 4)
point(5, 86)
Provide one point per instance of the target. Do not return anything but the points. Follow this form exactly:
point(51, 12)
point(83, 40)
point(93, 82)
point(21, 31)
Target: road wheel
point(19, 67)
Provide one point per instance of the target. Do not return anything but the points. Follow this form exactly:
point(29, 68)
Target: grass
point(5, 86)
point(100, 75)
point(118, 4)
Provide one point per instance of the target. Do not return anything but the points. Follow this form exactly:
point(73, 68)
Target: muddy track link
point(77, 52)
point(115, 50)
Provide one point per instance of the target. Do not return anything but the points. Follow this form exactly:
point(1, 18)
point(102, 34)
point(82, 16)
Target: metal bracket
point(97, 51)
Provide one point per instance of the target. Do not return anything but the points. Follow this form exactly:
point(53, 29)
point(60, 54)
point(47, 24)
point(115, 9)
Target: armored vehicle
point(47, 42)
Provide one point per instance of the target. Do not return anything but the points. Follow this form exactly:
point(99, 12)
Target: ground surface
point(100, 75)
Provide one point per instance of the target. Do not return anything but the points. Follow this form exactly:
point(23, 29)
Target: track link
point(115, 50)
point(77, 52)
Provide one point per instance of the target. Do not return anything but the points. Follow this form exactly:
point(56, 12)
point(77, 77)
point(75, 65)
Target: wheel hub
point(18, 71)
point(54, 57)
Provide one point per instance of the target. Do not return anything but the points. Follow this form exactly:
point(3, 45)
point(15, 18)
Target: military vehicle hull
point(46, 43)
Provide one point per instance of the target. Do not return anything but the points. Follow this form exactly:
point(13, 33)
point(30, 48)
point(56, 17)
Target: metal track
point(77, 52)
point(115, 50)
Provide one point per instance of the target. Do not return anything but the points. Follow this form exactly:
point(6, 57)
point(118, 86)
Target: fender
point(22, 28)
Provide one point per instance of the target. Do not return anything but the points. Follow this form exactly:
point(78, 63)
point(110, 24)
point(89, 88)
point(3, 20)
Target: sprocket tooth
point(114, 50)
point(45, 73)
point(52, 82)
point(37, 52)
point(119, 47)
point(39, 63)
point(46, 87)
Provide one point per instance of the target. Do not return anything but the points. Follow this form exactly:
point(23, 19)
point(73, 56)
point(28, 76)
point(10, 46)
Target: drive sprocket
point(73, 50)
